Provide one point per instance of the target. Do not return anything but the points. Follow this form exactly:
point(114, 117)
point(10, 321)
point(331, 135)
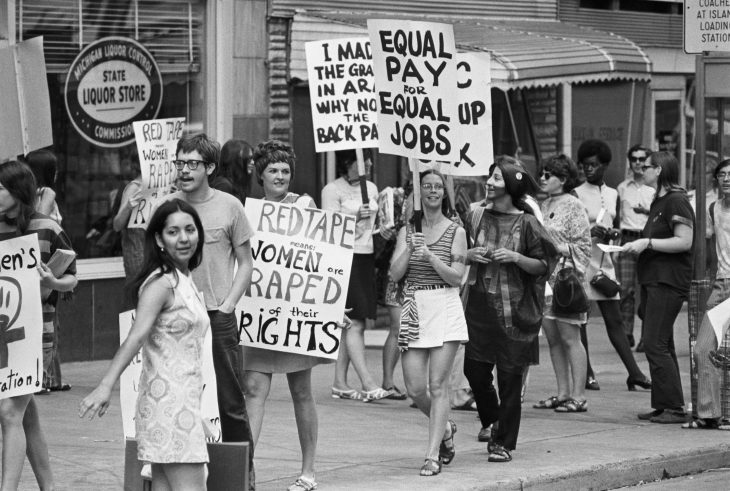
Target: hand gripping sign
point(301, 269)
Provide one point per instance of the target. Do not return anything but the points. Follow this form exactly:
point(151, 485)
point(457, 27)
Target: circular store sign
point(111, 83)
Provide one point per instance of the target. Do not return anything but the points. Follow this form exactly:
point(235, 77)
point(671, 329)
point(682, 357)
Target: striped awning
point(523, 53)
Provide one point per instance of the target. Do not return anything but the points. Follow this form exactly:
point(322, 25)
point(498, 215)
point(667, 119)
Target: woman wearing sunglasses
point(665, 272)
point(566, 220)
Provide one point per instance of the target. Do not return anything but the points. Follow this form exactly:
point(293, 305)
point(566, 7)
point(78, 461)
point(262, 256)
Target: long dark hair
point(43, 163)
point(517, 181)
point(233, 165)
point(154, 258)
point(19, 181)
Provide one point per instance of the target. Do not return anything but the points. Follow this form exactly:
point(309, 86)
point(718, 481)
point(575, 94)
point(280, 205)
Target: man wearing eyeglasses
point(635, 198)
point(227, 242)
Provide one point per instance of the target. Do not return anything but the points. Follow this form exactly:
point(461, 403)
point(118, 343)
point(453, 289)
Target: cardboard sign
point(415, 76)
point(342, 92)
point(21, 317)
point(475, 116)
point(302, 259)
point(111, 83)
point(156, 144)
point(26, 116)
point(129, 383)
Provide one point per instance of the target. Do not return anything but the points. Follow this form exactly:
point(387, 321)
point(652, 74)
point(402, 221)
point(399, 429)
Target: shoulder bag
point(569, 297)
point(604, 284)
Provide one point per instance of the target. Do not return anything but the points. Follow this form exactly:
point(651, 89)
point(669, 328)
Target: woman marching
point(19, 418)
point(170, 325)
point(511, 258)
point(274, 163)
point(566, 220)
point(432, 321)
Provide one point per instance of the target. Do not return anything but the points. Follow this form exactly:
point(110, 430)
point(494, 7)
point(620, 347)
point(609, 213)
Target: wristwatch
point(649, 245)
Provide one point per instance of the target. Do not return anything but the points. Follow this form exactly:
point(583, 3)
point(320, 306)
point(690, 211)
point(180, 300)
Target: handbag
point(604, 284)
point(569, 296)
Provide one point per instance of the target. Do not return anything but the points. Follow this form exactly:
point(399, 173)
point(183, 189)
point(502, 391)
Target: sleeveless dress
point(270, 361)
point(168, 419)
point(432, 311)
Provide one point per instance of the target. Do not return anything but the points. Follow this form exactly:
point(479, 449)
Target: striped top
point(421, 274)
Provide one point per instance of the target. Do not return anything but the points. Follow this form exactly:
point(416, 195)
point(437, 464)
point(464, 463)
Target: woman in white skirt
point(432, 322)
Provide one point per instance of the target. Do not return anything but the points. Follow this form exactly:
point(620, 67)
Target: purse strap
point(600, 265)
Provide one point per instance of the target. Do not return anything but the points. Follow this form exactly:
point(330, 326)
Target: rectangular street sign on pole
point(706, 25)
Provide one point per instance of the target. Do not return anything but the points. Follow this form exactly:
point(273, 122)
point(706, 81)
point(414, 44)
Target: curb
point(612, 476)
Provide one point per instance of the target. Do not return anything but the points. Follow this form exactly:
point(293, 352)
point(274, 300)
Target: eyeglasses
point(637, 159)
point(192, 164)
point(645, 167)
point(547, 174)
point(432, 187)
point(721, 176)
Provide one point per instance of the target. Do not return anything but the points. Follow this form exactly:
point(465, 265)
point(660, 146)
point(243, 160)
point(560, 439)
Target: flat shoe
point(447, 452)
point(702, 424)
point(60, 388)
point(430, 468)
point(572, 406)
point(592, 384)
point(303, 484)
point(485, 434)
point(346, 394)
point(396, 394)
point(549, 403)
point(499, 454)
point(374, 395)
point(650, 414)
point(670, 417)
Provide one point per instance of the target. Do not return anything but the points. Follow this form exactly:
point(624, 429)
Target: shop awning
point(523, 53)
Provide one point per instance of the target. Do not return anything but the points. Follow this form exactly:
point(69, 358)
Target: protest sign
point(342, 92)
point(415, 77)
point(26, 121)
point(473, 94)
point(301, 269)
point(21, 317)
point(129, 384)
point(156, 143)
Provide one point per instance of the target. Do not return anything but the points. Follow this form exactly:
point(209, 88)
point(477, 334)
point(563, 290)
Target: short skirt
point(361, 292)
point(440, 318)
point(270, 361)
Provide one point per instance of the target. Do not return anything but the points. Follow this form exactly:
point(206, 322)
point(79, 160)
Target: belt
point(630, 233)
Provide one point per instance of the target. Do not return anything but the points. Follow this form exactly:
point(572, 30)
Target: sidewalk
point(380, 445)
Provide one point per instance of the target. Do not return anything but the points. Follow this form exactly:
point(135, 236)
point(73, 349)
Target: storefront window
point(90, 175)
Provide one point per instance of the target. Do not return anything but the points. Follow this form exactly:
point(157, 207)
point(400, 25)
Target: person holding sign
point(19, 417)
point(432, 321)
point(512, 256)
point(170, 324)
point(344, 195)
point(274, 163)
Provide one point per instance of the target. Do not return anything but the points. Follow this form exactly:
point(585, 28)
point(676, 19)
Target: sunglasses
point(546, 174)
point(192, 164)
point(637, 159)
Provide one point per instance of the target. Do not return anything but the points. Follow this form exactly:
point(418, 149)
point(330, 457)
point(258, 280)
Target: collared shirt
point(631, 194)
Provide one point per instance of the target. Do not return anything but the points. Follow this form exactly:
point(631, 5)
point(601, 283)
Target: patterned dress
point(168, 418)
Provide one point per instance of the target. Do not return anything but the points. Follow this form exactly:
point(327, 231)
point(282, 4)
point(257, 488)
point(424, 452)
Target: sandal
point(499, 454)
point(302, 484)
point(549, 403)
point(572, 406)
point(702, 424)
point(430, 467)
point(447, 452)
point(375, 394)
point(346, 394)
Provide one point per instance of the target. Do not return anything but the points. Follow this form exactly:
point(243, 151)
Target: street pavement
point(381, 445)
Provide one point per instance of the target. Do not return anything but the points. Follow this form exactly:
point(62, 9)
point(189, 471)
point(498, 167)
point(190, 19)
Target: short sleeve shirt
point(226, 227)
point(672, 269)
point(631, 194)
